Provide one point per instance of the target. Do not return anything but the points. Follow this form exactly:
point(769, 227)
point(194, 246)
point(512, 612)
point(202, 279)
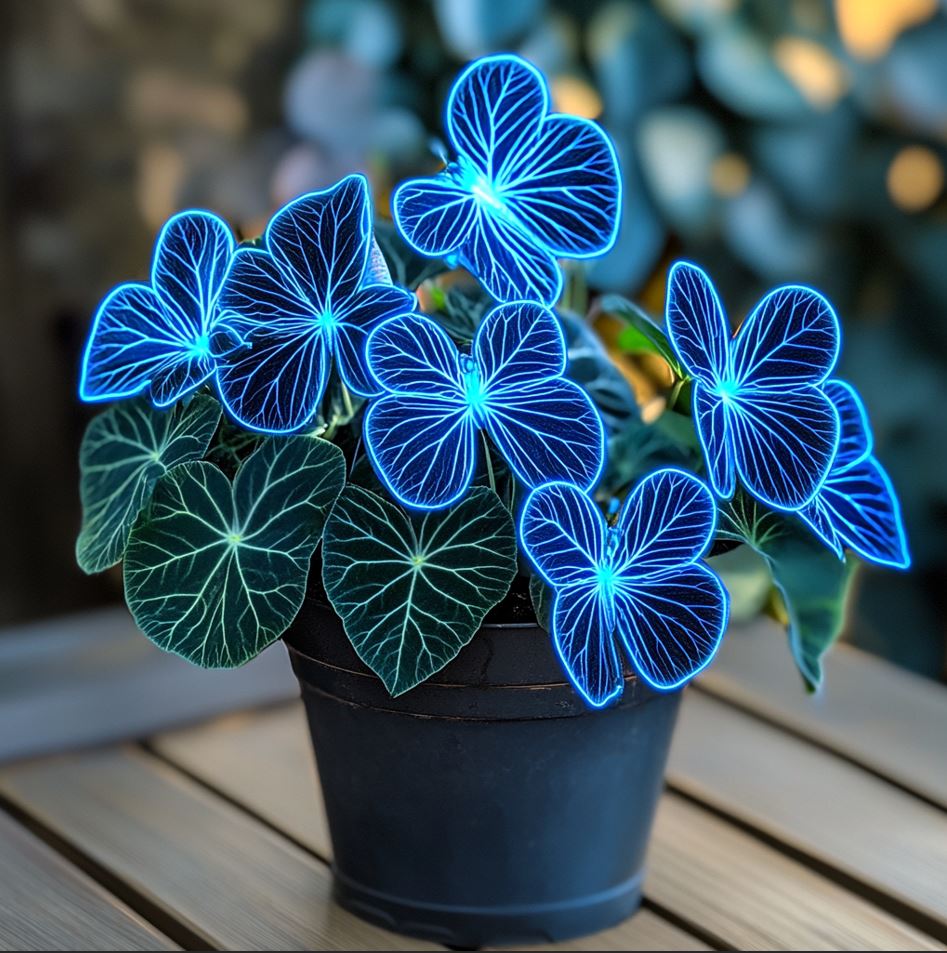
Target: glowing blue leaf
point(423, 448)
point(421, 434)
point(517, 345)
point(713, 430)
point(855, 437)
point(288, 309)
point(509, 262)
point(784, 442)
point(791, 337)
point(564, 534)
point(857, 506)
point(548, 431)
point(435, 215)
point(524, 188)
point(640, 580)
point(583, 626)
point(758, 405)
point(156, 337)
point(696, 325)
point(413, 355)
point(666, 521)
point(191, 258)
point(671, 624)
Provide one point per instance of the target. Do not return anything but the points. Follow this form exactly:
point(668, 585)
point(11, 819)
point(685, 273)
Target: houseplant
point(330, 435)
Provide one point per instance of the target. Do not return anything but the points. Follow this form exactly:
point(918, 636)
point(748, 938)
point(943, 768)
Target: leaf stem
point(489, 459)
point(347, 400)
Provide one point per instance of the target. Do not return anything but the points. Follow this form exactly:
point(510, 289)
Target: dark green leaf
point(640, 448)
point(407, 268)
point(541, 598)
point(590, 366)
point(231, 446)
point(124, 452)
point(811, 579)
point(412, 590)
point(641, 334)
point(216, 571)
point(458, 310)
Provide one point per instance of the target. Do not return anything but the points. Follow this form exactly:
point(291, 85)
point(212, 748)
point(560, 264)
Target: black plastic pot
point(488, 805)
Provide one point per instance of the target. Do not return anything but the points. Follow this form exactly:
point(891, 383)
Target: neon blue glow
point(759, 407)
point(307, 298)
point(421, 433)
point(641, 580)
point(857, 506)
point(155, 337)
point(526, 187)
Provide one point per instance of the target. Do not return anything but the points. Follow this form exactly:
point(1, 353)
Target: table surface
point(789, 822)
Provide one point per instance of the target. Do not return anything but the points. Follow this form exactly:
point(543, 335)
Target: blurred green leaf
point(591, 366)
point(812, 580)
point(641, 334)
point(746, 575)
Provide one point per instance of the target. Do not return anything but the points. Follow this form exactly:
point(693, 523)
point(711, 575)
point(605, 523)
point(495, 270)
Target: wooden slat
point(644, 931)
point(700, 867)
point(883, 717)
point(222, 875)
point(754, 897)
point(265, 762)
point(93, 678)
point(871, 833)
point(47, 904)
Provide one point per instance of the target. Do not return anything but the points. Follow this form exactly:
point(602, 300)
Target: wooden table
point(788, 823)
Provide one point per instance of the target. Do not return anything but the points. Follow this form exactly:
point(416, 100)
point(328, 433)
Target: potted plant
point(399, 449)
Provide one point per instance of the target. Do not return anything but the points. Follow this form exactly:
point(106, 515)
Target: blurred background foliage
point(799, 141)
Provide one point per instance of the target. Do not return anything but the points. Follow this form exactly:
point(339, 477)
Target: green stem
point(347, 400)
point(675, 392)
point(489, 459)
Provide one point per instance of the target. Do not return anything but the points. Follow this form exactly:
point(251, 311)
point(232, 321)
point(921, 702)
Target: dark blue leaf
point(156, 338)
point(672, 623)
point(420, 434)
point(757, 405)
point(525, 186)
point(641, 579)
point(583, 623)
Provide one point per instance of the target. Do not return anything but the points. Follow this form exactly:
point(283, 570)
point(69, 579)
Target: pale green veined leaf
point(124, 452)
point(412, 590)
point(216, 571)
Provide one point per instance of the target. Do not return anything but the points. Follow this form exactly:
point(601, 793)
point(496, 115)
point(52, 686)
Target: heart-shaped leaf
point(216, 571)
point(812, 580)
point(124, 452)
point(412, 590)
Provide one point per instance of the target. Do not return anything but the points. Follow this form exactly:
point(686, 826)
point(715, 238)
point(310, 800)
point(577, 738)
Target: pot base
point(468, 927)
